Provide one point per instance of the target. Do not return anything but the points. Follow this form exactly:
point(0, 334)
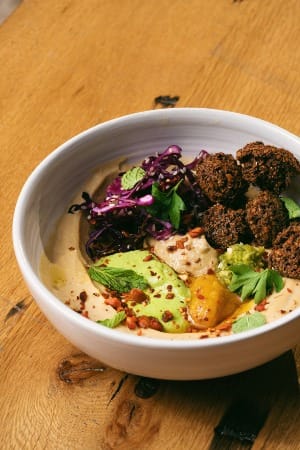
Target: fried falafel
point(225, 226)
point(268, 167)
point(220, 178)
point(285, 254)
point(266, 215)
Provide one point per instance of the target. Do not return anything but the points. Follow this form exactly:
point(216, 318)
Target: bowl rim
point(116, 335)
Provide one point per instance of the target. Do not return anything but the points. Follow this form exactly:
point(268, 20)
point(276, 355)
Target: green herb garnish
point(120, 280)
point(249, 283)
point(248, 322)
point(239, 254)
point(167, 204)
point(292, 207)
point(132, 177)
point(114, 321)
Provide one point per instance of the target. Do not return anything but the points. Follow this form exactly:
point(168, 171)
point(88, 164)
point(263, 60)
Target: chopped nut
point(114, 302)
point(131, 322)
point(148, 258)
point(167, 316)
point(135, 295)
point(83, 296)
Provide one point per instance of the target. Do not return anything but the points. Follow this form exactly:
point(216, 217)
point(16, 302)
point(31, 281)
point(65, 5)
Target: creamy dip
point(64, 265)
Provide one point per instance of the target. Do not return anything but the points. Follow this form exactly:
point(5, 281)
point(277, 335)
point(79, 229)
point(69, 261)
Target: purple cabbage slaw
point(123, 219)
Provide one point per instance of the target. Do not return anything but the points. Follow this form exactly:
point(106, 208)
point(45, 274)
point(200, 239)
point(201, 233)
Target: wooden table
point(67, 65)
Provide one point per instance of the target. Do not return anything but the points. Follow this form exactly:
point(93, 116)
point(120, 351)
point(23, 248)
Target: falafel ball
point(268, 167)
point(224, 226)
point(266, 216)
point(220, 178)
point(285, 255)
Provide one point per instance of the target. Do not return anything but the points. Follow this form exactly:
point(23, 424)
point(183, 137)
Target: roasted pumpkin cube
point(211, 302)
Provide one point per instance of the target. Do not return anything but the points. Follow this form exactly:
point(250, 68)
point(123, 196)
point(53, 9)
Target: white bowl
point(52, 185)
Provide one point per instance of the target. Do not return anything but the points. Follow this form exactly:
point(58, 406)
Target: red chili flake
point(203, 336)
point(180, 242)
point(152, 273)
point(169, 287)
point(289, 290)
point(283, 311)
point(171, 248)
point(170, 295)
point(157, 295)
point(261, 306)
point(167, 316)
point(85, 314)
point(210, 271)
point(71, 248)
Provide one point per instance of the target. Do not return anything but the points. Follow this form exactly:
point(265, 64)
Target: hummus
point(64, 266)
point(187, 255)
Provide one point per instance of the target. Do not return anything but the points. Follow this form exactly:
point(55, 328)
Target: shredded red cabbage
point(123, 219)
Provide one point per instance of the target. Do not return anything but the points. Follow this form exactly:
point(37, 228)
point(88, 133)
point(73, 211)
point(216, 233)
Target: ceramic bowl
point(50, 189)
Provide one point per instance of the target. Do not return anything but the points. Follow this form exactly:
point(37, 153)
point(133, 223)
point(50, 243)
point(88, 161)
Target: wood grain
point(65, 66)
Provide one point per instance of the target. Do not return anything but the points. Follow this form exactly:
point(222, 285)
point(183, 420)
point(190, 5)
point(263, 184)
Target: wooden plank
point(66, 66)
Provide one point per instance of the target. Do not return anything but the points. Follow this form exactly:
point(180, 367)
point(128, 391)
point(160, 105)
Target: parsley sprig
point(252, 284)
point(167, 205)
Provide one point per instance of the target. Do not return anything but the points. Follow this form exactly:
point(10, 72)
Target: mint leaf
point(132, 177)
point(248, 322)
point(249, 283)
point(292, 207)
point(116, 279)
point(114, 321)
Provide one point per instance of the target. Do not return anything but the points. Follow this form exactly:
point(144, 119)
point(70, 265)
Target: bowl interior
point(51, 187)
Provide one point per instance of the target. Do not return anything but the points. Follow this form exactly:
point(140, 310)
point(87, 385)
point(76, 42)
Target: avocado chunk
point(166, 293)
